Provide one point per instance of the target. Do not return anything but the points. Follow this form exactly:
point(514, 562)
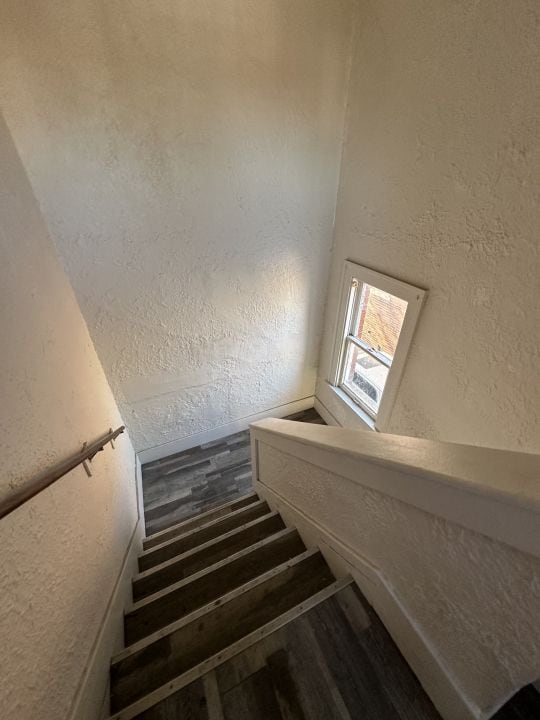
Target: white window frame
point(347, 313)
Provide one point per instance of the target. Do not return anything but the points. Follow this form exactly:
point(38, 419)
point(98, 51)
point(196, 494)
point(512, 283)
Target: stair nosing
point(218, 602)
point(207, 570)
point(155, 548)
point(156, 696)
point(196, 517)
point(203, 546)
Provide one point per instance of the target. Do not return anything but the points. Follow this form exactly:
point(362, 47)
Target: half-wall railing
point(443, 540)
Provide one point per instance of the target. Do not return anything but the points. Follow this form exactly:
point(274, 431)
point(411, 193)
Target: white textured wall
point(473, 600)
point(60, 553)
point(439, 188)
point(186, 158)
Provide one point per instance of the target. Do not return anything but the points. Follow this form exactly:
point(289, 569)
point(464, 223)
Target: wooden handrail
point(48, 478)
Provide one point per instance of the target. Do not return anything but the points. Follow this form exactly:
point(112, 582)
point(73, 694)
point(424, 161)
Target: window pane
point(364, 376)
point(380, 319)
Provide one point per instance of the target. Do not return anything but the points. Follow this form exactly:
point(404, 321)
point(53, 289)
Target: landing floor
point(203, 477)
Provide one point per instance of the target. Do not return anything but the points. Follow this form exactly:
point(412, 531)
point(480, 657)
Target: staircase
point(208, 589)
point(233, 618)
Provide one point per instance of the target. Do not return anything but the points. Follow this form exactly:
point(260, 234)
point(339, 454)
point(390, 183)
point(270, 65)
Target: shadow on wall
point(193, 195)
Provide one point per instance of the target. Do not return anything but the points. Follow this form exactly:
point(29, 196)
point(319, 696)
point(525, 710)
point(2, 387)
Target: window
point(377, 318)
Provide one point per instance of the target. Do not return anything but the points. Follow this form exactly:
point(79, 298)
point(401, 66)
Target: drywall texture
point(475, 601)
point(439, 188)
point(60, 553)
point(186, 159)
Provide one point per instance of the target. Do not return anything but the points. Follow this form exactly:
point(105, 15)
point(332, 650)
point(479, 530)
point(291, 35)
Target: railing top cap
point(503, 474)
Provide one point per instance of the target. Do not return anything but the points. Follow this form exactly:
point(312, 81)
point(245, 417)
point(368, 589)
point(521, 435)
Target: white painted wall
point(439, 188)
point(443, 539)
point(60, 553)
point(186, 158)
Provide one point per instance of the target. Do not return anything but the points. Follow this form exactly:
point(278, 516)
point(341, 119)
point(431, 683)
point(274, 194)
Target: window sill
point(351, 405)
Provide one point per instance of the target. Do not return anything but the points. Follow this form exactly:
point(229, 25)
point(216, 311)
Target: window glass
point(380, 319)
point(364, 376)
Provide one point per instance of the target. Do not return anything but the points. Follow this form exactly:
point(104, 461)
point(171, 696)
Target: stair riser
point(145, 586)
point(176, 604)
point(174, 654)
point(202, 535)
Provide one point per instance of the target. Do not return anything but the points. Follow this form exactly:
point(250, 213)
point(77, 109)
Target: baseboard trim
point(91, 700)
point(175, 446)
point(139, 489)
point(422, 657)
point(325, 413)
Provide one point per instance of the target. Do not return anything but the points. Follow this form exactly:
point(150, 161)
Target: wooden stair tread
point(189, 704)
point(160, 576)
point(314, 667)
point(195, 520)
point(150, 705)
point(201, 534)
point(174, 654)
point(254, 698)
point(164, 609)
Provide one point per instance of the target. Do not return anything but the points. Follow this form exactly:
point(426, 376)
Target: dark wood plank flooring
point(336, 662)
point(200, 478)
point(206, 533)
point(195, 560)
point(218, 581)
point(164, 658)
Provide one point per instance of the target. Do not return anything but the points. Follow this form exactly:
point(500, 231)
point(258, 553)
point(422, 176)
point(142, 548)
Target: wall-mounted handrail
point(10, 504)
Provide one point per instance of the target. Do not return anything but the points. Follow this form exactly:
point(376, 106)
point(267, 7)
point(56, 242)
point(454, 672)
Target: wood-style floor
point(336, 662)
point(200, 478)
